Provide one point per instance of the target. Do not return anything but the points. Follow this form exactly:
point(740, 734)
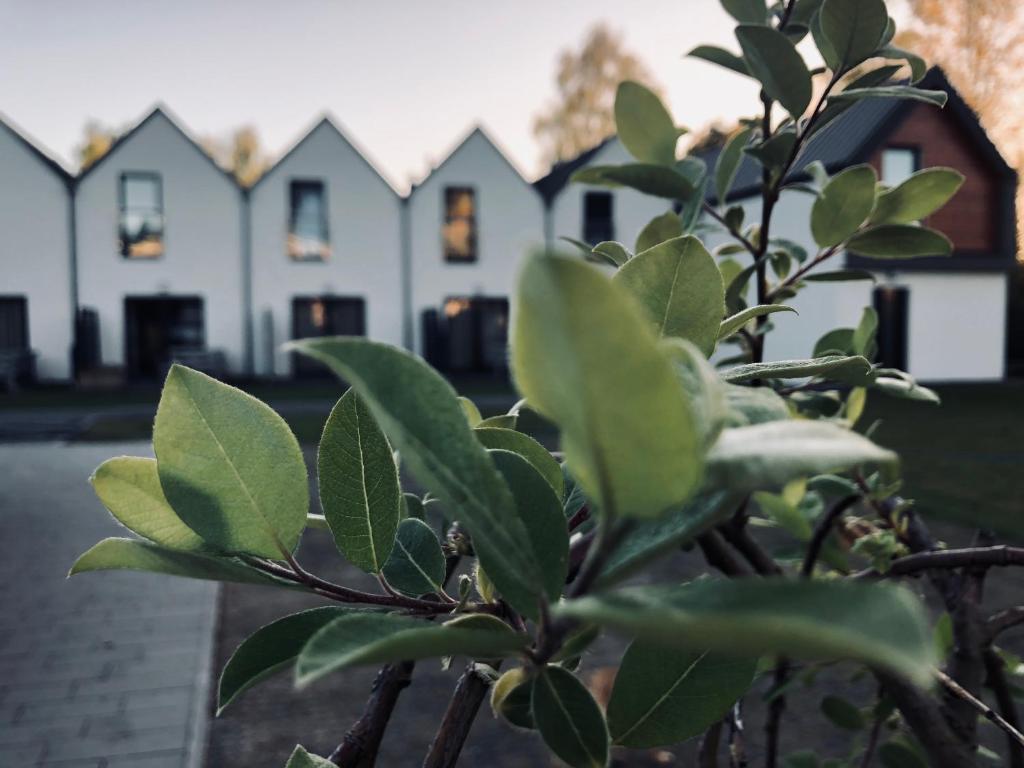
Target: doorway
point(314, 316)
point(477, 334)
point(892, 305)
point(158, 326)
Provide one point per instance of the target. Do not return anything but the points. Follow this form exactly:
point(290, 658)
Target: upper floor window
point(141, 225)
point(899, 164)
point(459, 231)
point(598, 225)
point(307, 222)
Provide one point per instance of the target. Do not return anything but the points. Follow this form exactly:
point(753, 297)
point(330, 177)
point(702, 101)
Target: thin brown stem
point(821, 531)
point(981, 707)
point(458, 719)
point(707, 756)
point(719, 556)
point(362, 742)
point(945, 559)
point(995, 669)
point(1004, 620)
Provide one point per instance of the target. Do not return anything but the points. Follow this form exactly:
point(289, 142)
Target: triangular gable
point(35, 149)
point(476, 131)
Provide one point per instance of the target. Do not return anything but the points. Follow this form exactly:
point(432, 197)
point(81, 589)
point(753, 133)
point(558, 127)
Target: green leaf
point(899, 241)
point(747, 11)
point(502, 421)
point(680, 287)
point(729, 163)
point(774, 152)
point(569, 720)
point(784, 514)
point(753, 405)
point(419, 412)
point(649, 539)
point(614, 253)
point(472, 412)
point(643, 125)
point(270, 649)
point(775, 62)
point(628, 432)
point(133, 555)
point(842, 713)
point(844, 204)
point(541, 512)
point(381, 638)
point(838, 341)
point(129, 488)
point(878, 624)
point(664, 697)
point(863, 339)
point(936, 98)
point(658, 230)
point(721, 57)
point(849, 369)
point(701, 383)
point(905, 390)
point(840, 275)
point(414, 506)
point(770, 455)
point(895, 754)
point(416, 566)
point(732, 324)
point(510, 697)
point(854, 28)
point(229, 466)
point(358, 480)
point(918, 66)
point(529, 449)
point(655, 180)
point(920, 195)
point(302, 759)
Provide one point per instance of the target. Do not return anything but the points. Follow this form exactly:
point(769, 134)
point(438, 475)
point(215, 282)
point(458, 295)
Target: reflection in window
point(141, 221)
point(307, 222)
point(459, 231)
point(899, 164)
point(597, 217)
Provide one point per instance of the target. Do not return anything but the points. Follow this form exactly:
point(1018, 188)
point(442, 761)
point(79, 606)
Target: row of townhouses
point(155, 253)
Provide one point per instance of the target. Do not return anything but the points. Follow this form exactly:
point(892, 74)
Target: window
point(597, 217)
point(899, 164)
point(307, 222)
point(13, 324)
point(141, 226)
point(459, 230)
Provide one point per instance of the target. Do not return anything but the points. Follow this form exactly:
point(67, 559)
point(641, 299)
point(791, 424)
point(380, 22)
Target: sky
point(407, 79)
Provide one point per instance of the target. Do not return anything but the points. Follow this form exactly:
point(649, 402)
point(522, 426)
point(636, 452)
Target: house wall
point(202, 240)
point(971, 219)
point(509, 220)
point(956, 323)
point(631, 211)
point(35, 260)
point(364, 232)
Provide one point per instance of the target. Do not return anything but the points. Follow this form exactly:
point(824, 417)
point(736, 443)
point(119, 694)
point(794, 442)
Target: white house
point(470, 223)
point(592, 214)
point(35, 260)
point(326, 250)
point(943, 318)
point(159, 233)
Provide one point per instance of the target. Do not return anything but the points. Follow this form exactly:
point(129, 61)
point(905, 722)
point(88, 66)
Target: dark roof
point(34, 148)
point(161, 111)
point(343, 135)
point(852, 138)
point(550, 185)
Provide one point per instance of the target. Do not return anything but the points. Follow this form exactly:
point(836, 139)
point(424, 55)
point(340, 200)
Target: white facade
point(202, 237)
point(509, 220)
point(631, 211)
point(35, 250)
point(946, 341)
point(363, 221)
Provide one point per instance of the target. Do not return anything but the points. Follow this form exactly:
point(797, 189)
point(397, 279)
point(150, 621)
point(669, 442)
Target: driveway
point(106, 670)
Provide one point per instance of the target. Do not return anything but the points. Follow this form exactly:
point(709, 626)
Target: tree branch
point(821, 531)
point(458, 719)
point(945, 559)
point(712, 546)
point(981, 708)
point(362, 742)
point(995, 670)
point(1004, 620)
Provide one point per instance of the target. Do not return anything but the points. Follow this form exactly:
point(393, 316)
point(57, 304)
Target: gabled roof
point(556, 179)
point(477, 130)
point(333, 124)
point(43, 156)
point(852, 138)
point(158, 111)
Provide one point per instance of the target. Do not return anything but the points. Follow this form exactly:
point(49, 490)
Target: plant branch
point(719, 556)
point(995, 670)
point(945, 559)
point(821, 531)
point(458, 719)
point(980, 707)
point(362, 741)
point(1004, 620)
point(708, 754)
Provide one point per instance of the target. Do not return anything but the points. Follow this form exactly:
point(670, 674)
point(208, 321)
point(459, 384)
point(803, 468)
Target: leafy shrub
point(661, 450)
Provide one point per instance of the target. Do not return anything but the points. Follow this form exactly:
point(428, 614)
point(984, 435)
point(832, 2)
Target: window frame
point(122, 208)
point(325, 224)
point(474, 218)
point(915, 153)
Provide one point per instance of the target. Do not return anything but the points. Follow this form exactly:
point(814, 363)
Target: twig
point(821, 531)
point(609, 535)
point(872, 745)
point(458, 719)
point(776, 708)
point(735, 532)
point(713, 547)
point(995, 669)
point(737, 746)
point(362, 742)
point(1004, 620)
point(707, 756)
point(944, 559)
point(981, 707)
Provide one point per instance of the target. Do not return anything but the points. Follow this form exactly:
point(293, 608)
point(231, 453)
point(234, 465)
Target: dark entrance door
point(477, 334)
point(13, 324)
point(157, 326)
point(324, 316)
point(891, 304)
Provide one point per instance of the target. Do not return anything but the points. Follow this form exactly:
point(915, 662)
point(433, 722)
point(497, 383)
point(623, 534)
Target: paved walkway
point(106, 670)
